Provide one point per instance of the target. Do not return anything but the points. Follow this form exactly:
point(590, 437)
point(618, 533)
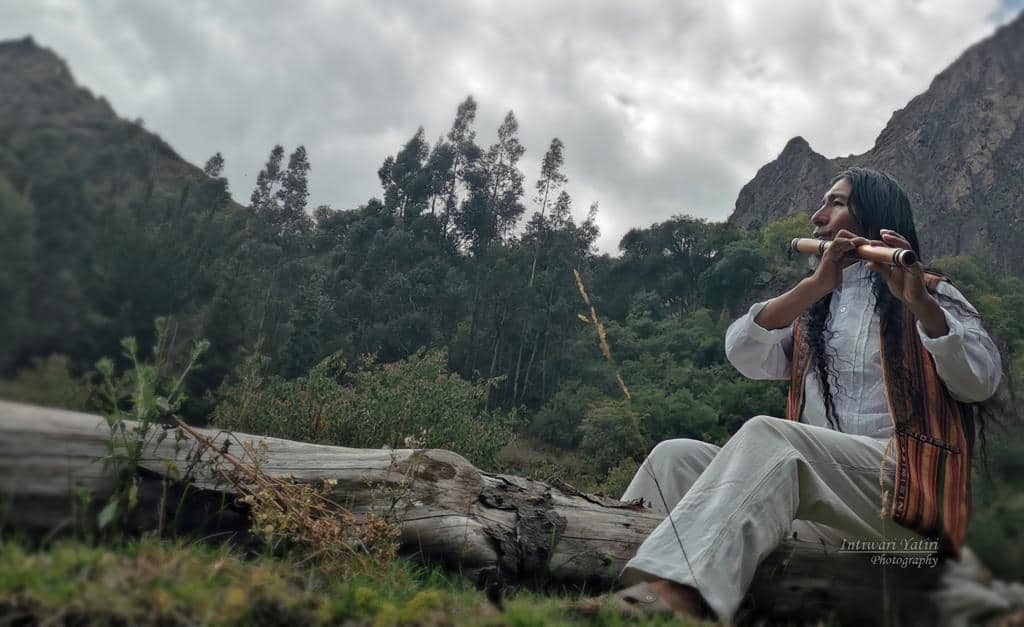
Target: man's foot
point(653, 598)
point(682, 599)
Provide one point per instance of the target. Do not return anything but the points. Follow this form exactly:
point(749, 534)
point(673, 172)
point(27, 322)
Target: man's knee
point(677, 448)
point(764, 426)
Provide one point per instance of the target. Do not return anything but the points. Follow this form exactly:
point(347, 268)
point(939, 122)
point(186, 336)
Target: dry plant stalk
point(601, 335)
point(300, 513)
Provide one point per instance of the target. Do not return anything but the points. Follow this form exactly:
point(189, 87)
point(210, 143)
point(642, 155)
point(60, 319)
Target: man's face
point(834, 213)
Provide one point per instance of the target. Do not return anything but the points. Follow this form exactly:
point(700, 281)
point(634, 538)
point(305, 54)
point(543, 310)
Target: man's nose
point(819, 218)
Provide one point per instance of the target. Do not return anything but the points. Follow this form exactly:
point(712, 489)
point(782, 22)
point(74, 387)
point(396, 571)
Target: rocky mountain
point(958, 149)
point(94, 212)
point(52, 129)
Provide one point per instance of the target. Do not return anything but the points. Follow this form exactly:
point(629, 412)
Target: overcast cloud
point(664, 107)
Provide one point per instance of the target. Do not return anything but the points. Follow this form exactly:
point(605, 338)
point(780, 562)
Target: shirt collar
point(855, 273)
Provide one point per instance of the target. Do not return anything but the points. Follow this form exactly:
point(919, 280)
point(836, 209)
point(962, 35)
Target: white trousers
point(732, 505)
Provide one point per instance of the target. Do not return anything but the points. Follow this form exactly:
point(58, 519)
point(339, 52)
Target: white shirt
point(966, 358)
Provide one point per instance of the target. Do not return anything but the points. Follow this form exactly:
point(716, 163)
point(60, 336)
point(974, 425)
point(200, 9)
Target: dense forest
point(443, 313)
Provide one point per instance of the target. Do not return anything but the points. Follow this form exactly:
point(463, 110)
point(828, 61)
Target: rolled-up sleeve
point(759, 353)
point(966, 358)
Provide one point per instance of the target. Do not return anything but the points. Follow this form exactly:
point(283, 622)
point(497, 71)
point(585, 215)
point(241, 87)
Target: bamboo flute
point(901, 257)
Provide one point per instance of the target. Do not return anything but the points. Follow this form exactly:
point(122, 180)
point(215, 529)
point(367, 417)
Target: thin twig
point(668, 514)
point(601, 335)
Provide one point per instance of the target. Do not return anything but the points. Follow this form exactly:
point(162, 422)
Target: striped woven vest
point(933, 438)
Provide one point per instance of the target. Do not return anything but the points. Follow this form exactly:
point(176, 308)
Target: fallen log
point(497, 529)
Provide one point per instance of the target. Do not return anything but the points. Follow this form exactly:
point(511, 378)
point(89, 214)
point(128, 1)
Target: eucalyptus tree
point(488, 214)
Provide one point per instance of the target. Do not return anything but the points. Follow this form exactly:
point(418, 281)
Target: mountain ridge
point(49, 124)
point(964, 131)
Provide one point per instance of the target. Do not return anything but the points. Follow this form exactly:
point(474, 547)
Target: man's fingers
point(880, 268)
point(845, 247)
point(845, 241)
point(893, 238)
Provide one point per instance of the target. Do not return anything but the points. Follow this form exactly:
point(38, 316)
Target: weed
point(138, 404)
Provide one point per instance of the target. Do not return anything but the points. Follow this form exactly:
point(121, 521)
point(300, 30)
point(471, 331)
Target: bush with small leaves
point(611, 432)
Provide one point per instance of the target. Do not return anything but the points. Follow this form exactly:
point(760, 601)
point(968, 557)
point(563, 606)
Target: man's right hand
point(841, 254)
point(782, 310)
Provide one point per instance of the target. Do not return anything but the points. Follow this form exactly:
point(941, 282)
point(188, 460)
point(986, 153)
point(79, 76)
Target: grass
point(161, 582)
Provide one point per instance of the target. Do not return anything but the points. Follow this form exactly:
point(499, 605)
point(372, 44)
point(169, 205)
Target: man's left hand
point(906, 284)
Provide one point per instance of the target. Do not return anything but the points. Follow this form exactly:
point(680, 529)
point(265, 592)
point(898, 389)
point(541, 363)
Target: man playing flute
point(886, 367)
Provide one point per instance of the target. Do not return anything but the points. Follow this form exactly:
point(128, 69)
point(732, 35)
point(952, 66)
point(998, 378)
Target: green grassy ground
point(158, 582)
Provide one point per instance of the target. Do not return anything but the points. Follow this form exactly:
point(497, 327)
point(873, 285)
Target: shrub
point(297, 409)
point(617, 479)
point(558, 421)
point(48, 382)
point(995, 535)
point(611, 432)
point(414, 403)
point(675, 414)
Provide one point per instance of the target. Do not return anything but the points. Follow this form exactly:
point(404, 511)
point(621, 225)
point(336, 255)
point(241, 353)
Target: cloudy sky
point(665, 107)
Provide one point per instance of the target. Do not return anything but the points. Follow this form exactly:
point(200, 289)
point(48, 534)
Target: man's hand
point(841, 254)
point(907, 284)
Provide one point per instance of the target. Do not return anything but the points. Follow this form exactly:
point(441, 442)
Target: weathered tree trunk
point(494, 528)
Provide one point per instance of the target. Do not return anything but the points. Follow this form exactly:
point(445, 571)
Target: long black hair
point(877, 201)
